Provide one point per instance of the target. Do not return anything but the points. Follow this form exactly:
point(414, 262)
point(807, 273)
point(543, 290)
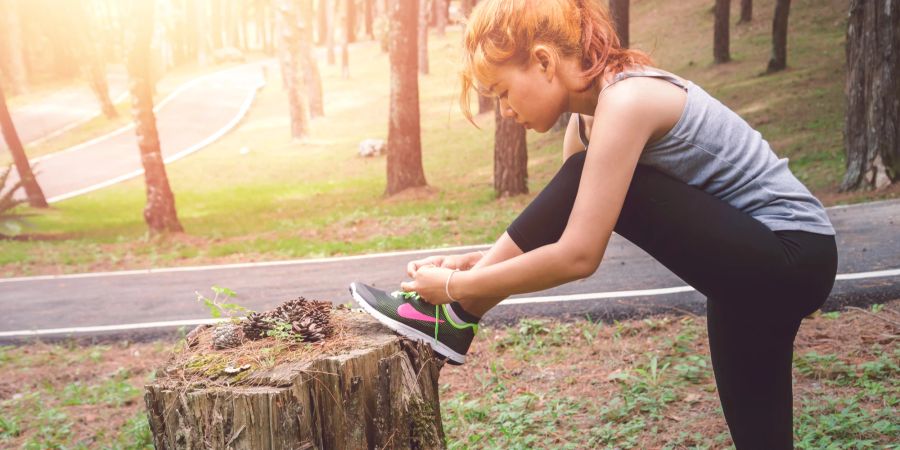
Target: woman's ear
point(545, 56)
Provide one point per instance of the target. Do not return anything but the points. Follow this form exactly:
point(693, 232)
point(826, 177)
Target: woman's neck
point(584, 101)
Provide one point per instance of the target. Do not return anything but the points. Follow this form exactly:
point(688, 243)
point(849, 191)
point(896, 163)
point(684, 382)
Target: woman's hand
point(461, 262)
point(430, 283)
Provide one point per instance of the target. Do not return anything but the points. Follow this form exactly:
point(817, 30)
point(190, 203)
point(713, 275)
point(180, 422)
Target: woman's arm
point(616, 144)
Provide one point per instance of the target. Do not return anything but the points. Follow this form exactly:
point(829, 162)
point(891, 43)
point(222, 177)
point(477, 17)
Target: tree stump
point(372, 389)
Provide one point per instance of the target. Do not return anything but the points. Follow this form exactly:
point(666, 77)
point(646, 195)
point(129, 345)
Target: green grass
point(285, 199)
point(649, 384)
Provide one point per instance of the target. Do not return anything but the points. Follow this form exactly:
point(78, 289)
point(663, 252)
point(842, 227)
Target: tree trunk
point(311, 77)
point(778, 60)
point(32, 189)
point(96, 66)
point(14, 61)
point(510, 157)
point(322, 31)
point(746, 11)
point(382, 394)
point(485, 104)
point(872, 127)
point(404, 155)
point(290, 55)
point(351, 21)
point(721, 37)
point(332, 18)
point(369, 11)
point(201, 31)
point(159, 213)
point(563, 122)
point(215, 17)
point(423, 37)
point(348, 36)
point(440, 22)
point(467, 6)
point(620, 15)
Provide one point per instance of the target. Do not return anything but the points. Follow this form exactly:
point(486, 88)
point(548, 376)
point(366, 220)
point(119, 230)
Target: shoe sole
point(407, 331)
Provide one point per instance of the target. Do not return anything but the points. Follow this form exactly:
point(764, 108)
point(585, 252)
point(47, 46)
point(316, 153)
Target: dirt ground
point(539, 384)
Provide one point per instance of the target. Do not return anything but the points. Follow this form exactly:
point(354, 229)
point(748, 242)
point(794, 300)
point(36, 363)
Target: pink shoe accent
point(408, 312)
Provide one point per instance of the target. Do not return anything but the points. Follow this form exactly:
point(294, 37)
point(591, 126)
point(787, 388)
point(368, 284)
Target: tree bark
point(563, 122)
point(369, 11)
point(383, 394)
point(423, 37)
point(159, 213)
point(620, 14)
point(872, 127)
point(485, 104)
point(332, 18)
point(32, 190)
point(322, 31)
point(467, 6)
point(778, 60)
point(311, 77)
point(746, 11)
point(349, 22)
point(14, 67)
point(290, 55)
point(96, 66)
point(404, 155)
point(510, 157)
point(721, 53)
point(440, 22)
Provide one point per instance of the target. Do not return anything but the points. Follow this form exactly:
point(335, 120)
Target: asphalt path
point(195, 115)
point(62, 110)
point(629, 283)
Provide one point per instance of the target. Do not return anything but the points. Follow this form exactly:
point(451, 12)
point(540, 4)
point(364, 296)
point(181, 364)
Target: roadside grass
point(540, 383)
point(257, 195)
point(648, 384)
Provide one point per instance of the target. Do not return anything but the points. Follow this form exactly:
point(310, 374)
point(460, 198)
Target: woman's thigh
point(716, 248)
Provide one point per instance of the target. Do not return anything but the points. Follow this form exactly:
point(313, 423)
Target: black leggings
point(759, 284)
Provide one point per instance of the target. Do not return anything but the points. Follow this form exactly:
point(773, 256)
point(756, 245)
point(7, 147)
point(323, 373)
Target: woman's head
point(517, 41)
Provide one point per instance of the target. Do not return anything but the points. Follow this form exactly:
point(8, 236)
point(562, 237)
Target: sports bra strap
point(647, 73)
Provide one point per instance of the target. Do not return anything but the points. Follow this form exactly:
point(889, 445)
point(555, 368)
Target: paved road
point(221, 99)
point(64, 109)
point(868, 241)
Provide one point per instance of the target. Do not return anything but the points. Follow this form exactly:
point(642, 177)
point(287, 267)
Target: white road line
point(293, 261)
point(101, 328)
point(183, 87)
point(230, 125)
point(287, 262)
point(513, 301)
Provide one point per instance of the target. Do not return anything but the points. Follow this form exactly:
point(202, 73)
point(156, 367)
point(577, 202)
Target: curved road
point(220, 99)
point(628, 283)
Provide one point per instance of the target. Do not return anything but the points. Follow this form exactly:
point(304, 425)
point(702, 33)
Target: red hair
point(505, 31)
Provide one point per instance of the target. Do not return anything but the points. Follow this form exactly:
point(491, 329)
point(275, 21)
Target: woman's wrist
point(461, 285)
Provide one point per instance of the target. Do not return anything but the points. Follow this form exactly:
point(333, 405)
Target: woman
point(666, 166)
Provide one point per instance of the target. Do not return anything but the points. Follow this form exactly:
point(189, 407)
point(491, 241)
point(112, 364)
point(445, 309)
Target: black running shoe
point(438, 325)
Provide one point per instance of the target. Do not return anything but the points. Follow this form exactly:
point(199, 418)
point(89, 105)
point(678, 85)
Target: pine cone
point(226, 335)
point(310, 320)
point(257, 325)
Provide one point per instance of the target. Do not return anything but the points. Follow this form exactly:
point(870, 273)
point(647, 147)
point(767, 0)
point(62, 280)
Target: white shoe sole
point(407, 331)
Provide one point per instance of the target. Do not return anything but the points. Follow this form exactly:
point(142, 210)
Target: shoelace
point(435, 321)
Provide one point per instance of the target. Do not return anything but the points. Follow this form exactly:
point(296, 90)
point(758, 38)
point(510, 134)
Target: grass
point(648, 384)
point(280, 199)
point(537, 384)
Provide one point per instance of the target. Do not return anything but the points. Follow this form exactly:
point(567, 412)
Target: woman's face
point(532, 95)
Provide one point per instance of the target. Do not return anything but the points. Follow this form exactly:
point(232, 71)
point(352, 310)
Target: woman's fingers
point(413, 266)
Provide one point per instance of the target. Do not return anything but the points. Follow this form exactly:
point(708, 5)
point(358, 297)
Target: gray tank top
point(714, 149)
